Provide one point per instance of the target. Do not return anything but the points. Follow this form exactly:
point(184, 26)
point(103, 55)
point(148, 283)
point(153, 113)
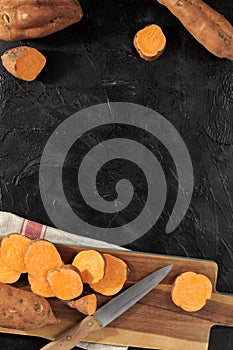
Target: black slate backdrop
point(93, 62)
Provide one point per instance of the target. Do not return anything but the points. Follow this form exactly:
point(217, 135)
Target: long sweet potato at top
point(27, 19)
point(207, 26)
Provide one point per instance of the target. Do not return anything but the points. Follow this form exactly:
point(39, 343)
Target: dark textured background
point(94, 62)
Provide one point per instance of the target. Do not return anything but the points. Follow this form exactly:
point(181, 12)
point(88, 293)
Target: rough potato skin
point(208, 27)
point(28, 19)
point(23, 310)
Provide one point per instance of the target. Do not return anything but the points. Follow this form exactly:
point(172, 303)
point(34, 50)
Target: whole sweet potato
point(23, 310)
point(27, 19)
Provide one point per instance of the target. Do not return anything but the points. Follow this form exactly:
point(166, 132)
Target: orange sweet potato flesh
point(40, 257)
point(114, 277)
point(65, 282)
point(23, 62)
point(87, 305)
point(208, 27)
point(150, 42)
point(7, 275)
point(40, 287)
point(23, 310)
point(191, 291)
point(13, 248)
point(28, 19)
point(91, 264)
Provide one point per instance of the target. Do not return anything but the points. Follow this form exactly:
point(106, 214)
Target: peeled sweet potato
point(23, 310)
point(27, 19)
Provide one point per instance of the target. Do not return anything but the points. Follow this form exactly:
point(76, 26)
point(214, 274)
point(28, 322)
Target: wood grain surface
point(154, 322)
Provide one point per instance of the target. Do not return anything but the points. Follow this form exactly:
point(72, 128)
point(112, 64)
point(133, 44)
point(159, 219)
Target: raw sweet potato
point(7, 275)
point(40, 287)
point(86, 305)
point(65, 282)
point(114, 277)
point(191, 291)
point(207, 26)
point(91, 264)
point(150, 42)
point(23, 62)
point(13, 247)
point(27, 19)
point(23, 310)
point(40, 257)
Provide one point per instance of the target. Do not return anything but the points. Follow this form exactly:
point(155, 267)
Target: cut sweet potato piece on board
point(87, 305)
point(114, 277)
point(91, 264)
point(40, 287)
point(65, 282)
point(7, 275)
point(191, 291)
point(150, 42)
point(13, 247)
point(23, 310)
point(40, 257)
point(23, 62)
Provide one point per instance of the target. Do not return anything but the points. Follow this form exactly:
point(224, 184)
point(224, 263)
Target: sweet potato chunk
point(86, 305)
point(7, 275)
point(40, 287)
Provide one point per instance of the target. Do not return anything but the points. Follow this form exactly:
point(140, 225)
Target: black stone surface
point(93, 62)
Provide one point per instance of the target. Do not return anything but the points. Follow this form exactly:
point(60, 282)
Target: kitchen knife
point(108, 312)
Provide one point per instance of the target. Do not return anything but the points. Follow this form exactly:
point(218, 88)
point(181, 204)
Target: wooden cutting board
point(154, 322)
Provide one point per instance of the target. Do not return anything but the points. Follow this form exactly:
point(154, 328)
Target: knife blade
point(108, 312)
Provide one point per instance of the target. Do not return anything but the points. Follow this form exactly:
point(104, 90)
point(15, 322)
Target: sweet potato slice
point(23, 62)
point(87, 305)
point(23, 310)
point(40, 287)
point(114, 277)
point(40, 257)
point(91, 264)
point(7, 275)
point(65, 282)
point(13, 248)
point(191, 291)
point(150, 42)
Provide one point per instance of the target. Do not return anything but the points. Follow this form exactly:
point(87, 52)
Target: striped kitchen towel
point(10, 223)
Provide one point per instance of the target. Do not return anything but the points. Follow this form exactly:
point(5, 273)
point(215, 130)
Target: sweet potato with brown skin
point(27, 19)
point(23, 310)
point(209, 27)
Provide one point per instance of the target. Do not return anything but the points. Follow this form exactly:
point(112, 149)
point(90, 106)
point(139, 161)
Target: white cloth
point(11, 223)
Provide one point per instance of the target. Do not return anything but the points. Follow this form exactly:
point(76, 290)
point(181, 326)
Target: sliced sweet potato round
point(114, 277)
point(40, 257)
point(40, 287)
point(191, 291)
point(13, 248)
point(91, 264)
point(7, 275)
point(65, 282)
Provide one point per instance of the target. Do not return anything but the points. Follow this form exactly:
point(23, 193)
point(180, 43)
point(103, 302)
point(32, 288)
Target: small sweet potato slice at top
point(114, 277)
point(13, 248)
point(91, 264)
point(65, 282)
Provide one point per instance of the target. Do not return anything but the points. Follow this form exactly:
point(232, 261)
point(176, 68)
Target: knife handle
point(70, 338)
